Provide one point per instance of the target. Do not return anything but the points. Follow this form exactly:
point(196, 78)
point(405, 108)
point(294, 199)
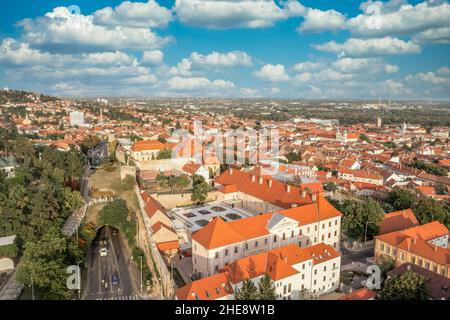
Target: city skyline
point(230, 49)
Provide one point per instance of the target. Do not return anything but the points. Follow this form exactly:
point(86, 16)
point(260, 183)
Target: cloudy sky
point(227, 48)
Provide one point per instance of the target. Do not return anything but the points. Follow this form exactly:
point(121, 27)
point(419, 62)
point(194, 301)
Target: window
point(435, 268)
point(217, 255)
point(315, 239)
point(315, 272)
point(307, 241)
point(289, 287)
point(303, 286)
point(226, 252)
point(402, 256)
point(324, 268)
point(284, 236)
point(413, 260)
point(307, 230)
point(216, 268)
point(329, 235)
point(334, 265)
point(335, 233)
point(335, 222)
point(315, 282)
point(315, 227)
point(419, 262)
point(303, 266)
point(256, 244)
point(246, 246)
point(329, 224)
point(303, 276)
point(235, 249)
point(300, 232)
point(284, 289)
point(427, 265)
point(324, 279)
point(323, 225)
point(292, 233)
point(274, 238)
point(265, 241)
point(323, 237)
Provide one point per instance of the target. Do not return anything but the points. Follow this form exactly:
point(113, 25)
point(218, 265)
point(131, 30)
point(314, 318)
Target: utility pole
point(140, 257)
point(79, 288)
point(32, 288)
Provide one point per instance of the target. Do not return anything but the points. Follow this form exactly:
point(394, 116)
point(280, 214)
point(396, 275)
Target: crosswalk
point(130, 297)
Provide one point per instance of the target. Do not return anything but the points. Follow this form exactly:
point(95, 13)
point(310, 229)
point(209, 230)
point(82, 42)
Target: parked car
point(103, 252)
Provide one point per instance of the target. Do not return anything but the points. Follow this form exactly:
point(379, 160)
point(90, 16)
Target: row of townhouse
point(424, 245)
point(360, 176)
point(292, 269)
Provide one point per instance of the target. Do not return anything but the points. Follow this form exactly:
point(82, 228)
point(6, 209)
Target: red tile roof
point(278, 193)
point(360, 294)
point(218, 233)
point(211, 288)
point(398, 220)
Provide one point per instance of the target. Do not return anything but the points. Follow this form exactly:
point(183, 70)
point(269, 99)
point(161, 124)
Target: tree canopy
point(408, 286)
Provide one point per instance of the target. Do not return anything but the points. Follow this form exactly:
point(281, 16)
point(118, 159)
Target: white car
point(103, 252)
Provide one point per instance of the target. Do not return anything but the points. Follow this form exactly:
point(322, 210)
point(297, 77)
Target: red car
point(186, 254)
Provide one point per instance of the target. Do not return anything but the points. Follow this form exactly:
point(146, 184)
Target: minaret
point(379, 121)
point(101, 117)
point(404, 127)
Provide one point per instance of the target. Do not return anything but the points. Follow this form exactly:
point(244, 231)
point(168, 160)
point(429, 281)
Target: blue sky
point(228, 48)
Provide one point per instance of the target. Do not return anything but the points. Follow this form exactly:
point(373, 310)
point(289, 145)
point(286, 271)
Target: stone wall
point(173, 200)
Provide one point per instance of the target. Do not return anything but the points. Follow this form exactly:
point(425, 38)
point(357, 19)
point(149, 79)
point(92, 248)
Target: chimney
point(253, 178)
point(261, 179)
point(303, 194)
point(270, 183)
point(231, 171)
point(313, 197)
point(288, 188)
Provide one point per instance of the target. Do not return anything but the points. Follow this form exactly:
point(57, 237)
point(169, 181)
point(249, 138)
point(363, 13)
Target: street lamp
point(140, 257)
point(32, 288)
point(79, 284)
point(365, 231)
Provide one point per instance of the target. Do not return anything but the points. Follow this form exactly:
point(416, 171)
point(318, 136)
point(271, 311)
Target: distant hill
point(15, 96)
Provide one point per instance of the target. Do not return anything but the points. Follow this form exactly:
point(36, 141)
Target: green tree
point(200, 192)
point(428, 210)
point(266, 289)
point(248, 291)
point(408, 286)
point(164, 154)
point(361, 219)
point(386, 264)
point(89, 142)
point(401, 199)
point(44, 264)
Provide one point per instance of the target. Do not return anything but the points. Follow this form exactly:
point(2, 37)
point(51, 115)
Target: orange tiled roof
point(398, 220)
point(144, 145)
point(191, 168)
point(169, 245)
point(151, 205)
point(219, 233)
point(211, 288)
point(360, 294)
point(278, 193)
point(415, 240)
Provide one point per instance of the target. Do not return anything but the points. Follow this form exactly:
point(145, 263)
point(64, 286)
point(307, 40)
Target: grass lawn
point(104, 180)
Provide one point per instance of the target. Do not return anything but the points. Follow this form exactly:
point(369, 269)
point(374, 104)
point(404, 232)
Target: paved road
point(356, 256)
point(100, 270)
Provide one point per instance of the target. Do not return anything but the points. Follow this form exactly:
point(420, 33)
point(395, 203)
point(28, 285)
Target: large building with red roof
point(292, 269)
point(291, 216)
point(425, 246)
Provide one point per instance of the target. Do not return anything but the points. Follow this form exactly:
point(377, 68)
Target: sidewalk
point(12, 289)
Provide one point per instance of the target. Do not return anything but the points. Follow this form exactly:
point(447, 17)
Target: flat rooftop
point(194, 218)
